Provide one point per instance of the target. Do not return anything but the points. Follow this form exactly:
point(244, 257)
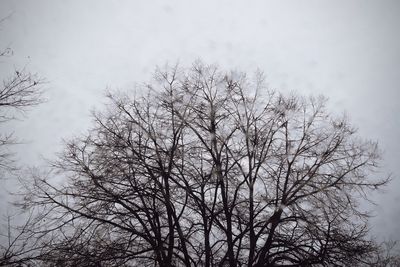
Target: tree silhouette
point(18, 92)
point(208, 169)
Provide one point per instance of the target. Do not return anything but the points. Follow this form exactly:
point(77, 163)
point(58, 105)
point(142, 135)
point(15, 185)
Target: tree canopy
point(207, 168)
point(18, 91)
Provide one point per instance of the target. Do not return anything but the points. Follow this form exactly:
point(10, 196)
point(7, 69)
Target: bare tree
point(208, 169)
point(18, 92)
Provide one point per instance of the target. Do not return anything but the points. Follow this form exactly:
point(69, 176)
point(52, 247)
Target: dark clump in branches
point(208, 169)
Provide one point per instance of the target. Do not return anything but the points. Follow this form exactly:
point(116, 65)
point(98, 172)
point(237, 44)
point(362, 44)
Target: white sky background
point(347, 50)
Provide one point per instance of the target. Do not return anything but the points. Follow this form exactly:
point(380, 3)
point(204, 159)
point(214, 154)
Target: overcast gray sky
point(347, 50)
